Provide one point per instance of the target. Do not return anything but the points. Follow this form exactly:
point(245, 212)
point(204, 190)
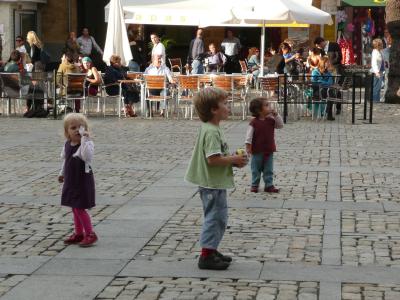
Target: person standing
point(71, 45)
point(34, 50)
point(260, 143)
point(87, 44)
point(210, 168)
point(377, 68)
point(334, 53)
point(196, 53)
point(137, 52)
point(158, 48)
point(89, 48)
point(78, 191)
point(230, 47)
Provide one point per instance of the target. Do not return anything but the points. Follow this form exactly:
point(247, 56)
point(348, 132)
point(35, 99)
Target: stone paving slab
point(206, 289)
point(106, 248)
point(50, 287)
point(143, 212)
point(82, 267)
point(188, 268)
point(351, 291)
point(129, 228)
point(17, 265)
point(283, 271)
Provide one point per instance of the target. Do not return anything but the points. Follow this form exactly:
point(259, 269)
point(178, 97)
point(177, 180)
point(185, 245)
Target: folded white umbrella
point(117, 42)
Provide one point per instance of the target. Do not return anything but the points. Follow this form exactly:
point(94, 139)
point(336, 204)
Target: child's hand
point(248, 149)
point(83, 132)
point(239, 160)
point(60, 179)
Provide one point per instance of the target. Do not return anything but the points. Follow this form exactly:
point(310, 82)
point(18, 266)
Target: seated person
point(67, 66)
point(14, 64)
point(215, 60)
point(321, 79)
point(157, 68)
point(276, 63)
point(254, 63)
point(115, 72)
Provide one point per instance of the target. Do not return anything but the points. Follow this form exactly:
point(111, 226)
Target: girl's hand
point(83, 132)
point(377, 75)
point(60, 179)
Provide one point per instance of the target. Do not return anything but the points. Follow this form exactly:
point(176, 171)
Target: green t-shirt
point(210, 141)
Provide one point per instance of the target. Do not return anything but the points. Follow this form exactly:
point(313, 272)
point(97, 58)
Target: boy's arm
point(219, 160)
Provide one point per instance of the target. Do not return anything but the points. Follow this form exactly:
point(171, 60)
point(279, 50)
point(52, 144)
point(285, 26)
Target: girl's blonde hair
point(33, 39)
point(74, 117)
point(377, 44)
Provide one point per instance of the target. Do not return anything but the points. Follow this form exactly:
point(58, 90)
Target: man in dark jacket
point(196, 53)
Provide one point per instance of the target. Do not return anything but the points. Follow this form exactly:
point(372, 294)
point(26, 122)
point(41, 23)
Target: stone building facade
point(50, 19)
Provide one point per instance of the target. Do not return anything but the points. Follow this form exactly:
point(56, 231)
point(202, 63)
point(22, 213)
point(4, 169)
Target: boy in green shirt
point(211, 169)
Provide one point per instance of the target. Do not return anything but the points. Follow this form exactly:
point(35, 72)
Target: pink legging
point(82, 221)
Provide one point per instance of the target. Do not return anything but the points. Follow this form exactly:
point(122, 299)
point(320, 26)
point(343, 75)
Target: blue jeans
point(197, 67)
point(215, 209)
point(133, 66)
point(376, 95)
point(261, 165)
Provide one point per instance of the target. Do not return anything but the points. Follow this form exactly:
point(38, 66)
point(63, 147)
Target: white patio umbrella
point(277, 11)
point(175, 12)
point(117, 38)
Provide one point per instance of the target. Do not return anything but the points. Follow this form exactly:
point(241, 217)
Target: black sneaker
point(225, 258)
point(212, 262)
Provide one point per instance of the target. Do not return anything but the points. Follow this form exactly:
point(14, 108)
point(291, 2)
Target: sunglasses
point(18, 40)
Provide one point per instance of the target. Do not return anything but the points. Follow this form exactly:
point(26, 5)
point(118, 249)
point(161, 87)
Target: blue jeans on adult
point(215, 209)
point(133, 66)
point(376, 94)
point(197, 67)
point(262, 165)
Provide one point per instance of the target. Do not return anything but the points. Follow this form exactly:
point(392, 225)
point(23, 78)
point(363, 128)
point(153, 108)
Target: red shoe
point(271, 189)
point(89, 240)
point(74, 239)
point(254, 189)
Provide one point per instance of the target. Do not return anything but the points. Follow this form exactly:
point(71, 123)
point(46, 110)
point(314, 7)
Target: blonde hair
point(33, 39)
point(377, 44)
point(68, 119)
point(207, 100)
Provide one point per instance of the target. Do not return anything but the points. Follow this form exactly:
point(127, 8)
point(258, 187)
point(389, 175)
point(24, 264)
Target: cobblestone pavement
point(331, 233)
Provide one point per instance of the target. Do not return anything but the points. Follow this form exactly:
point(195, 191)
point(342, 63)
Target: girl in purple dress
point(76, 173)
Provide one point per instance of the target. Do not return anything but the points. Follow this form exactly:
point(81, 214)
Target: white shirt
point(162, 70)
point(376, 61)
point(85, 152)
point(21, 49)
point(159, 49)
point(231, 46)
